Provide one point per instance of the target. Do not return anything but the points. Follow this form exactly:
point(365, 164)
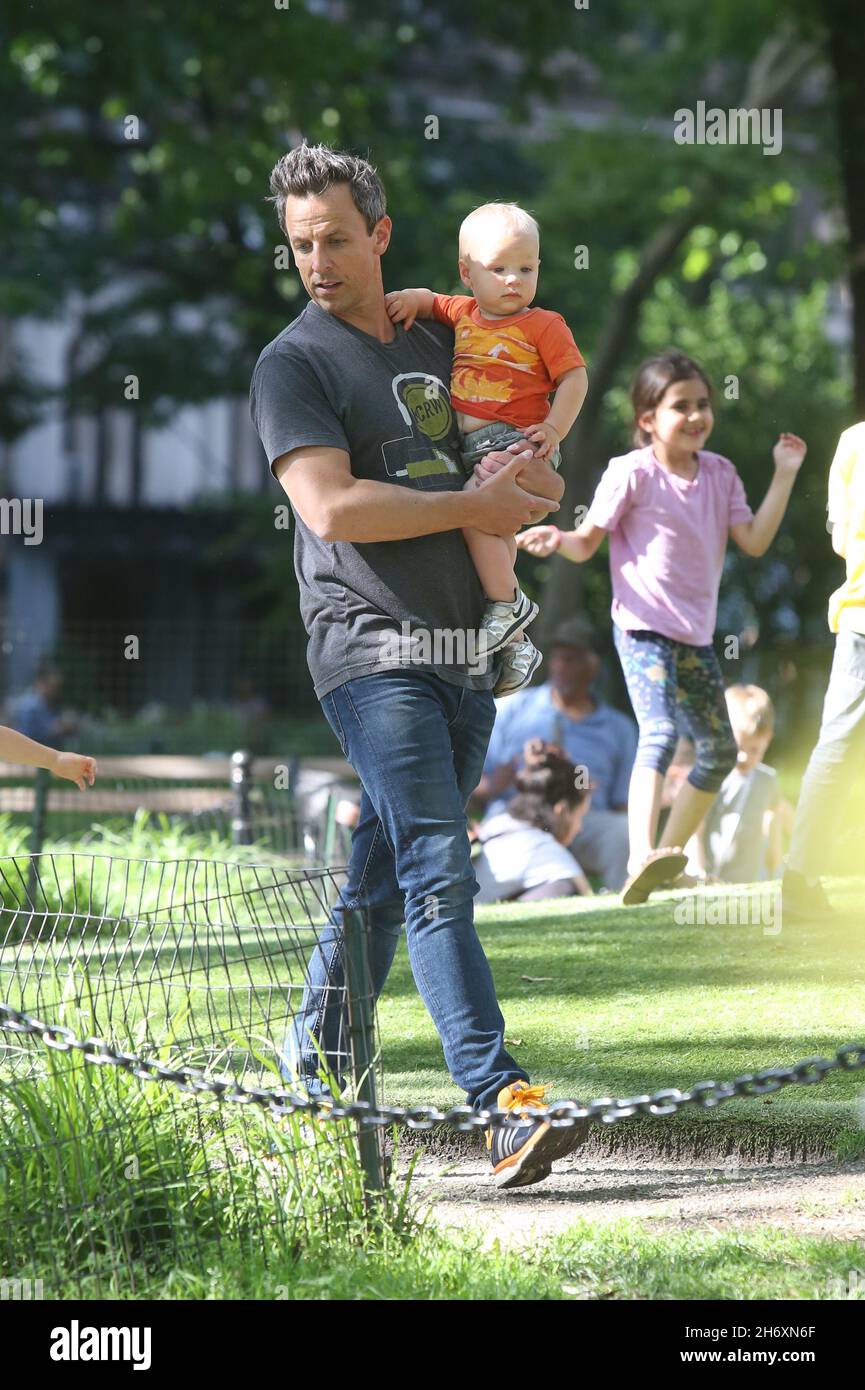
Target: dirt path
point(823, 1197)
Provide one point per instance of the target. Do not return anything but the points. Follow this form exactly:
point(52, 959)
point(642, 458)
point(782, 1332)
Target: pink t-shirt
point(668, 537)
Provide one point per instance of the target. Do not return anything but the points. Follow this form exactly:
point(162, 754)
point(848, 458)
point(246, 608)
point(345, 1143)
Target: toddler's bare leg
point(493, 558)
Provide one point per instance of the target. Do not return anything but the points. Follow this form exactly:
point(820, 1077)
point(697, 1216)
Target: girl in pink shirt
point(669, 507)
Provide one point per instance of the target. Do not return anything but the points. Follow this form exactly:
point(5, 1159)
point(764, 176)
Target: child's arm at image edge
point(74, 767)
point(404, 306)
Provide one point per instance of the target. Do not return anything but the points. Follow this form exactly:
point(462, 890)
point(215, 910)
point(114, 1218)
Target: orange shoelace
point(524, 1097)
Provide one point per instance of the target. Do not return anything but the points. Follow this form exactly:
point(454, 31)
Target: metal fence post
point(361, 1027)
point(241, 782)
point(41, 783)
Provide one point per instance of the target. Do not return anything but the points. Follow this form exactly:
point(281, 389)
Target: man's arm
point(337, 506)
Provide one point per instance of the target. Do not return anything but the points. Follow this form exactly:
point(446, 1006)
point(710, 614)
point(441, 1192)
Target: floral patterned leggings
point(677, 689)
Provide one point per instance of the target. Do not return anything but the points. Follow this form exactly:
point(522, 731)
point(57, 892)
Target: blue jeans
point(834, 772)
point(418, 745)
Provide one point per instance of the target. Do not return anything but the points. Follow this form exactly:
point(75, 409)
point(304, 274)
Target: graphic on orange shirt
point(506, 370)
point(474, 345)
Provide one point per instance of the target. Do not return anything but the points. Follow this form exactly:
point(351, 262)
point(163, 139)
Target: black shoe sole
point(535, 1159)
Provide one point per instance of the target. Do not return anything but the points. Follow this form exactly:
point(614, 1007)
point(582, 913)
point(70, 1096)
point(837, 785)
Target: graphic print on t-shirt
point(424, 405)
point(477, 350)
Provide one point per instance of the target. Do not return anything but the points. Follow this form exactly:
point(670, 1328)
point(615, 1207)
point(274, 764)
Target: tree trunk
point(846, 47)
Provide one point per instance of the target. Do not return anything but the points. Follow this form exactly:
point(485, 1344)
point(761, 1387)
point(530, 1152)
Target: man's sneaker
point(523, 1154)
point(520, 660)
point(803, 900)
point(502, 620)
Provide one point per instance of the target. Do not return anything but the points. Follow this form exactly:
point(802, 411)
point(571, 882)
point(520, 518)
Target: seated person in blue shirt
point(34, 713)
point(599, 740)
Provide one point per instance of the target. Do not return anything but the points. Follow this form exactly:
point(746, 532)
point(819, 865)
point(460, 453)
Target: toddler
point(508, 358)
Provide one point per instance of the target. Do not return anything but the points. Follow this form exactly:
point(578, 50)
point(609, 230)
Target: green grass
point(108, 1183)
point(598, 999)
point(623, 1261)
point(616, 1002)
point(627, 1001)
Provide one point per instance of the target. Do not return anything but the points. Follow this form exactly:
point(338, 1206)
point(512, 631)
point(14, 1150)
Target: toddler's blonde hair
point(489, 214)
point(750, 709)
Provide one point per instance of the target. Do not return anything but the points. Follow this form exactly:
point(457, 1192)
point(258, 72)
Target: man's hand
point(501, 506)
point(536, 475)
point(539, 477)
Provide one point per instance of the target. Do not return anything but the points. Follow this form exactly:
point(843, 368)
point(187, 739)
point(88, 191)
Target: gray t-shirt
point(735, 840)
point(387, 604)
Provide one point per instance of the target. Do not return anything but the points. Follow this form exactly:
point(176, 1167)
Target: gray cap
point(574, 632)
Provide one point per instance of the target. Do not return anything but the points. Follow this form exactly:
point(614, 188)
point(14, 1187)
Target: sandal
point(660, 869)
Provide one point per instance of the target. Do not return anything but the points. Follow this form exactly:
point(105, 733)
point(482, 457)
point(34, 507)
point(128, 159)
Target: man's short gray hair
point(315, 168)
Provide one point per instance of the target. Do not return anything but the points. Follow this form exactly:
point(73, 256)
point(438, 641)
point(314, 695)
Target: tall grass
point(108, 1181)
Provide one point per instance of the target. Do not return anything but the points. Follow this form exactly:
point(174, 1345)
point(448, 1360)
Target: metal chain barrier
point(606, 1110)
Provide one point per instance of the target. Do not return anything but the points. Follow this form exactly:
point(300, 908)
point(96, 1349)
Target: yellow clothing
point(847, 522)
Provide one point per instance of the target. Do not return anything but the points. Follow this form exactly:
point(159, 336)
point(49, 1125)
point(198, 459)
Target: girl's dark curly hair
point(547, 778)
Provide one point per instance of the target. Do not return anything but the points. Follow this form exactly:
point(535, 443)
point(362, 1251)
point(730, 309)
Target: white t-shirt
point(517, 856)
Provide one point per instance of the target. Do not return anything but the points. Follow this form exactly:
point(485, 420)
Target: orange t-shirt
point(505, 369)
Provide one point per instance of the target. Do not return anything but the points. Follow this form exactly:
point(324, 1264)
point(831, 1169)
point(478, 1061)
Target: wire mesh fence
point(109, 1185)
point(118, 973)
point(235, 666)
